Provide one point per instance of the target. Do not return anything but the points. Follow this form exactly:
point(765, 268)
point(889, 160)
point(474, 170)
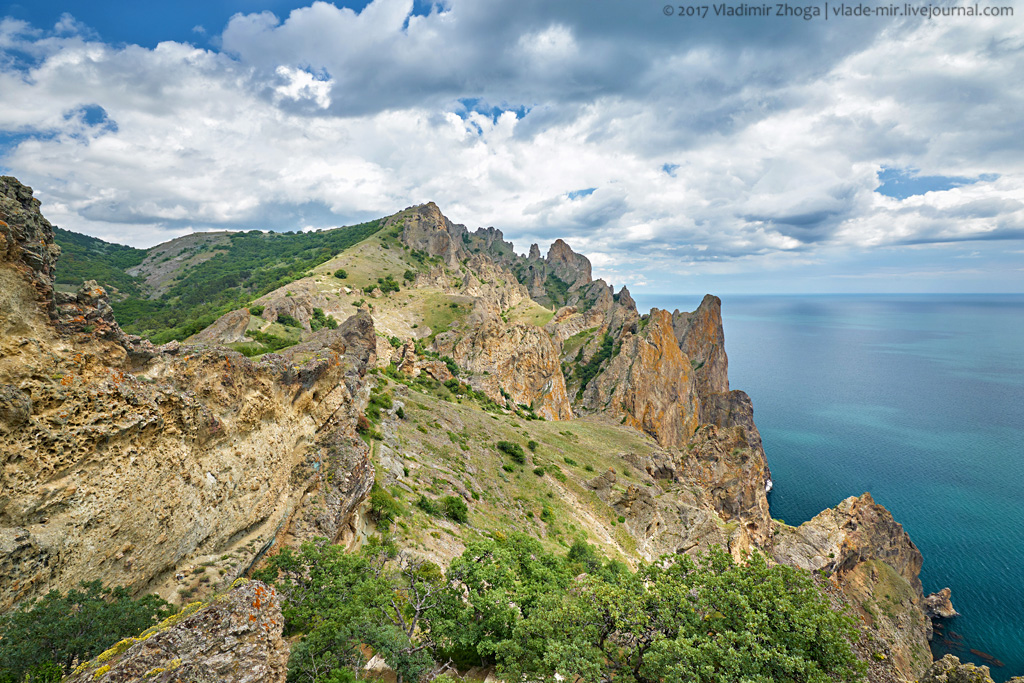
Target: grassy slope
point(448, 444)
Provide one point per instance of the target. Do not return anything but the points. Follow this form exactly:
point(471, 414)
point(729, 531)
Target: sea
point(918, 399)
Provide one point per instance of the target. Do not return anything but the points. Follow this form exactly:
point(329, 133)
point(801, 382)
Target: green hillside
point(89, 258)
point(248, 266)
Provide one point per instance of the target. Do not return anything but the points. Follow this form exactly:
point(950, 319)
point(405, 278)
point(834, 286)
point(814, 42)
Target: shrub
point(513, 450)
point(409, 276)
point(341, 273)
point(256, 310)
point(363, 424)
point(428, 506)
point(384, 509)
point(539, 471)
point(451, 365)
point(455, 509)
point(287, 320)
point(320, 320)
point(532, 445)
point(39, 641)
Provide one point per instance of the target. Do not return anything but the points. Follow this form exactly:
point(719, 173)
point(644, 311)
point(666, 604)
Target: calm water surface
point(918, 399)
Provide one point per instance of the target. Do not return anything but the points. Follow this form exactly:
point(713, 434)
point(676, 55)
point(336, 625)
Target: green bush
point(451, 365)
point(513, 450)
point(288, 321)
point(384, 509)
point(320, 320)
point(532, 445)
point(341, 273)
point(256, 310)
point(428, 506)
point(539, 471)
point(455, 509)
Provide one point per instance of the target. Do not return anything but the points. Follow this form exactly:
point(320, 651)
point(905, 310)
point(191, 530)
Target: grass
point(529, 312)
point(453, 446)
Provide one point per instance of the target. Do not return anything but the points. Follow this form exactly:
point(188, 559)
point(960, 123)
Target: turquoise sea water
point(918, 399)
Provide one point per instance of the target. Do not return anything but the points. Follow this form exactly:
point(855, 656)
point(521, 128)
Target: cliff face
point(875, 564)
point(649, 382)
point(28, 250)
point(518, 359)
point(124, 463)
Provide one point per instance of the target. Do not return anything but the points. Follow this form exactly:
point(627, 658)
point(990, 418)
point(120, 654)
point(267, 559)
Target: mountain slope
point(417, 368)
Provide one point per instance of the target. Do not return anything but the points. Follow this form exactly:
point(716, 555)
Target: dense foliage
point(250, 265)
point(41, 641)
point(88, 258)
point(533, 614)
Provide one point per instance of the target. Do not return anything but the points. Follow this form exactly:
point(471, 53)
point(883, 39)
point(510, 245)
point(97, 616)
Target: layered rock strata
point(126, 463)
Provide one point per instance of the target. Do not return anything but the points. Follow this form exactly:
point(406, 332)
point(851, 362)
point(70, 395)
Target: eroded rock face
point(733, 471)
point(702, 339)
point(427, 229)
point(949, 669)
point(939, 605)
point(28, 246)
point(228, 328)
point(671, 518)
point(123, 467)
point(876, 565)
point(568, 266)
point(649, 383)
point(518, 359)
point(235, 639)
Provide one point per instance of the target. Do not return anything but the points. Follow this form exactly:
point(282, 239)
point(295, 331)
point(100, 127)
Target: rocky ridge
point(117, 443)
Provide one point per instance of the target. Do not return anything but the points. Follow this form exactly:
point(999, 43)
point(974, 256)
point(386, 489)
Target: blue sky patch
point(670, 169)
point(576, 194)
point(481, 106)
point(900, 183)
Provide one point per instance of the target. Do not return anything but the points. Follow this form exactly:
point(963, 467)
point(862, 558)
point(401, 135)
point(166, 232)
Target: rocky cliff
point(131, 464)
point(872, 560)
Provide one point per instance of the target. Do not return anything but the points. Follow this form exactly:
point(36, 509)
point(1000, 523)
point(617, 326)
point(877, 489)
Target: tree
point(684, 621)
point(41, 641)
point(342, 601)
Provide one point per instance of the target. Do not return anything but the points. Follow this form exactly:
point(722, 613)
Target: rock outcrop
point(519, 360)
point(27, 247)
point(876, 565)
point(702, 339)
point(670, 518)
point(424, 227)
point(939, 605)
point(649, 382)
point(234, 639)
point(124, 463)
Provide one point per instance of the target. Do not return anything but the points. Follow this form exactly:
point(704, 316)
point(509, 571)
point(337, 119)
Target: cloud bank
point(653, 144)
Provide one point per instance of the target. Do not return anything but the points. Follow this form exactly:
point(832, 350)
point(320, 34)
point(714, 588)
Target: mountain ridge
point(442, 325)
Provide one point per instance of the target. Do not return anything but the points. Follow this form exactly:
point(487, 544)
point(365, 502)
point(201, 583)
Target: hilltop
point(405, 377)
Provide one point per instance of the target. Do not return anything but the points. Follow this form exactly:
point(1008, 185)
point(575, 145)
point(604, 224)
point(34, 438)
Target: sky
point(681, 154)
